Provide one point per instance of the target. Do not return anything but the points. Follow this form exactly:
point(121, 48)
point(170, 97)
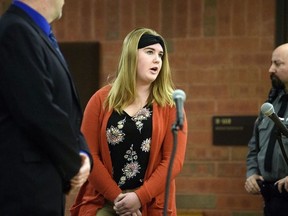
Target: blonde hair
point(123, 91)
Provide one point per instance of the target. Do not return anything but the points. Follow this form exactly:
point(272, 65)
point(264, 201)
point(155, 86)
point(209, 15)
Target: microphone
point(179, 97)
point(268, 110)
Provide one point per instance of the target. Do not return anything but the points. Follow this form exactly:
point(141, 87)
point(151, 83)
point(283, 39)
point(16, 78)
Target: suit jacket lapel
point(60, 58)
point(18, 11)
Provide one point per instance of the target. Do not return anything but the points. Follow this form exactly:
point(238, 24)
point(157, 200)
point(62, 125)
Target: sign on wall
point(232, 130)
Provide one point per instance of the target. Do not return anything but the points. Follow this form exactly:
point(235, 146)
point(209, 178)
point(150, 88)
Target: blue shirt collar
point(36, 17)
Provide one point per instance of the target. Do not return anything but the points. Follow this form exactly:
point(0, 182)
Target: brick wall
point(220, 54)
point(4, 5)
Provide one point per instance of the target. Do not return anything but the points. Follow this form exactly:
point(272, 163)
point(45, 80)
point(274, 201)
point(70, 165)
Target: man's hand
point(251, 185)
point(81, 177)
point(282, 183)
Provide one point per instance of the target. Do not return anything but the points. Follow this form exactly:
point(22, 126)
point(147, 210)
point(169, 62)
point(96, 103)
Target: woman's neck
point(140, 100)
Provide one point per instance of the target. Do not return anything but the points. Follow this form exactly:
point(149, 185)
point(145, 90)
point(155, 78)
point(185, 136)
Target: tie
point(55, 43)
point(273, 135)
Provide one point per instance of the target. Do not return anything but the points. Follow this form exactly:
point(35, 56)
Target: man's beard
point(276, 82)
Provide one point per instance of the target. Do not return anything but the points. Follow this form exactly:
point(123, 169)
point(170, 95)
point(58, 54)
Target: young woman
point(128, 128)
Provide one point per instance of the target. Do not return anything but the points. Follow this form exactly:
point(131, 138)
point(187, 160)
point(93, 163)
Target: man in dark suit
point(43, 154)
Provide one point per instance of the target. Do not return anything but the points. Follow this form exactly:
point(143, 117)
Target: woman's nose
point(157, 58)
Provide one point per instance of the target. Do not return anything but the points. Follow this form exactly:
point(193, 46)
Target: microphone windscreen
point(179, 94)
point(267, 109)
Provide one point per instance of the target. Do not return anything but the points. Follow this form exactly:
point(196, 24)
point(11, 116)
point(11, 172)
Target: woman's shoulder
point(163, 109)
point(103, 91)
point(101, 94)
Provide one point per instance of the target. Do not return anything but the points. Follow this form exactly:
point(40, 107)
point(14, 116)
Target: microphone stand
point(174, 129)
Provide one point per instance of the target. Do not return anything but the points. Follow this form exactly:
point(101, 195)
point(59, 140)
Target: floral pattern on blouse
point(115, 134)
point(132, 166)
point(141, 115)
point(129, 140)
point(145, 146)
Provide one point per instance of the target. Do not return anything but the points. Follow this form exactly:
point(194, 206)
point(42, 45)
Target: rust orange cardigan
point(100, 184)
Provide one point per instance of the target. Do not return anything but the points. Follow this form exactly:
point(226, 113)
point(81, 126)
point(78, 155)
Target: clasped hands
point(127, 204)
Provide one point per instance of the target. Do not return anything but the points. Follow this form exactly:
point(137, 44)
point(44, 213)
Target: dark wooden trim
point(281, 22)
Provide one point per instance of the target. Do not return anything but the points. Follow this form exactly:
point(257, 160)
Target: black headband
point(148, 39)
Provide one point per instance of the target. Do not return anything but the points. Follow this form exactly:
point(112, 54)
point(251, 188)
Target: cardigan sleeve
point(100, 177)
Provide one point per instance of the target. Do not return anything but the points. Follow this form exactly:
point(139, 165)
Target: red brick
point(209, 18)
point(267, 44)
point(127, 17)
point(253, 18)
point(195, 18)
point(199, 137)
point(239, 153)
point(237, 106)
point(247, 202)
point(112, 20)
point(239, 44)
point(167, 18)
point(141, 13)
point(201, 106)
point(238, 18)
point(195, 45)
point(154, 17)
point(231, 169)
point(181, 22)
point(99, 20)
point(209, 185)
point(268, 23)
point(224, 17)
point(207, 154)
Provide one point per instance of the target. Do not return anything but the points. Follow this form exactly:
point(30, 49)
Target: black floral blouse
point(129, 139)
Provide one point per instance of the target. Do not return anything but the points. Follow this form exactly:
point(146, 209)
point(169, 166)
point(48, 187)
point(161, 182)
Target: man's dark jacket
point(40, 118)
